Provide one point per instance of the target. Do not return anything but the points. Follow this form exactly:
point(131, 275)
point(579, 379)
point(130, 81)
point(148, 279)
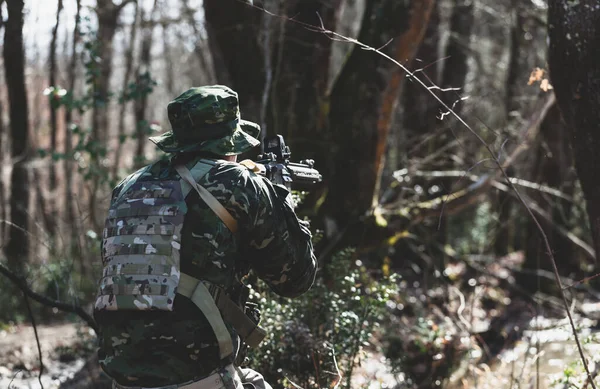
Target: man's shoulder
point(150, 172)
point(234, 172)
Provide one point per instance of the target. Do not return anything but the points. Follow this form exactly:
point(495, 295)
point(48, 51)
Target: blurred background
point(432, 272)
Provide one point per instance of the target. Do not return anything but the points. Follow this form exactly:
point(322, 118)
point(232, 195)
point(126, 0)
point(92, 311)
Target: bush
point(316, 340)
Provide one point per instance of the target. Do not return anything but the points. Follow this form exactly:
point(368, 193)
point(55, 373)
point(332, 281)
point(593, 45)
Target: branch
point(456, 201)
point(124, 3)
point(37, 338)
point(21, 283)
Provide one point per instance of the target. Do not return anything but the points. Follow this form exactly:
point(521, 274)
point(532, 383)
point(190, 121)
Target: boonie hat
point(207, 118)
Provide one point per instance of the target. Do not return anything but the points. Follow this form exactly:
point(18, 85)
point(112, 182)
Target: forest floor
point(546, 350)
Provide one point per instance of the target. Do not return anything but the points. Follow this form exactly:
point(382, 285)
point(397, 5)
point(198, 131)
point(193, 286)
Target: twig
point(21, 283)
point(312, 354)
point(37, 339)
point(18, 371)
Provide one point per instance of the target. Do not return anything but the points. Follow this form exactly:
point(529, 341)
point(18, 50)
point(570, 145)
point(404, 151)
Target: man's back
point(156, 348)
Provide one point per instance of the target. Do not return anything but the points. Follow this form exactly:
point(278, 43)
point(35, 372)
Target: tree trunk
point(3, 216)
point(144, 85)
point(574, 31)
point(108, 16)
point(362, 103)
point(456, 68)
point(297, 104)
point(504, 205)
point(17, 249)
point(201, 49)
point(233, 28)
point(121, 135)
point(169, 72)
point(553, 168)
point(72, 80)
point(52, 204)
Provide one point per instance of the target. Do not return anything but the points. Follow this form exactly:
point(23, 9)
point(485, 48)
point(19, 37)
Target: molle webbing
point(142, 239)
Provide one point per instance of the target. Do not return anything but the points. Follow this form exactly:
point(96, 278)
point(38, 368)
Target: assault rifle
point(274, 163)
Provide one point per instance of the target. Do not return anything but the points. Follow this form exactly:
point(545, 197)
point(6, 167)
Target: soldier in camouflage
point(160, 229)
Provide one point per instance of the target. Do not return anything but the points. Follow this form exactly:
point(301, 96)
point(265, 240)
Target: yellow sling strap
point(220, 306)
point(209, 199)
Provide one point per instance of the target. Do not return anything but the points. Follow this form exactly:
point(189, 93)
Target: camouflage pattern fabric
point(157, 348)
point(140, 250)
point(208, 119)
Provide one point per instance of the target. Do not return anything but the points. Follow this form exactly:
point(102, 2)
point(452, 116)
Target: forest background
point(457, 140)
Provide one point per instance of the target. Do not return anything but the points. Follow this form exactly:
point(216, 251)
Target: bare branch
point(124, 3)
point(21, 283)
point(37, 338)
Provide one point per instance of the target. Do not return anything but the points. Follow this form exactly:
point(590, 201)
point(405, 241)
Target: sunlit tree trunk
point(574, 31)
point(363, 100)
point(17, 249)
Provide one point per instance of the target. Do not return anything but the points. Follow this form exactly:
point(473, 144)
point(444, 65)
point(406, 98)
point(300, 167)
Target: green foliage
point(316, 340)
point(88, 152)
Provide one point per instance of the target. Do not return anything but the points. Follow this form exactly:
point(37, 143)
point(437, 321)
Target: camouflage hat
point(207, 118)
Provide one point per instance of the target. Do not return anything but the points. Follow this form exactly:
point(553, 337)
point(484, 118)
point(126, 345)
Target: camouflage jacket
point(157, 348)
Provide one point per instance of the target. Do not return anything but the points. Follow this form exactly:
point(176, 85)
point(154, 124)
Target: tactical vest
point(141, 254)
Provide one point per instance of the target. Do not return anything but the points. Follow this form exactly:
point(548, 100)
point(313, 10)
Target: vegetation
point(459, 155)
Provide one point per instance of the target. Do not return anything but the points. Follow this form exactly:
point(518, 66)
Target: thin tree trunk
point(502, 241)
point(52, 203)
point(121, 135)
point(574, 31)
point(456, 68)
point(72, 80)
point(201, 46)
point(144, 86)
point(553, 168)
point(41, 199)
point(169, 70)
point(3, 215)
point(17, 249)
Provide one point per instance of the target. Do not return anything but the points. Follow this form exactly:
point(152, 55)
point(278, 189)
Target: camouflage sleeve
point(276, 243)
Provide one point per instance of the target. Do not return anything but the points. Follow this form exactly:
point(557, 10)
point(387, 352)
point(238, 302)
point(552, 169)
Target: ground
point(546, 350)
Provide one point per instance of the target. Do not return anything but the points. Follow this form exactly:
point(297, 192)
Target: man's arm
point(277, 244)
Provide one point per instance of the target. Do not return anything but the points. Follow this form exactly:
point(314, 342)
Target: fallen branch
point(21, 283)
